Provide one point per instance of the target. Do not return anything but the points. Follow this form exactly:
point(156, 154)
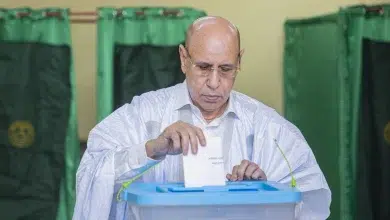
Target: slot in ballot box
point(244, 200)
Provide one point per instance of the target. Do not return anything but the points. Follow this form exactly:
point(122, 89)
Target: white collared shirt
point(116, 151)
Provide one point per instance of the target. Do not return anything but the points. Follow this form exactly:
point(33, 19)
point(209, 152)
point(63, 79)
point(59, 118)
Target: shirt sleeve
point(115, 153)
point(276, 136)
point(130, 162)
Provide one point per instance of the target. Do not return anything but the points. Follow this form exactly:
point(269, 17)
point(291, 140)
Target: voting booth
point(336, 78)
point(244, 200)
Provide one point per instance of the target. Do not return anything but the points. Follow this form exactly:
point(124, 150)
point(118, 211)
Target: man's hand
point(175, 139)
point(246, 171)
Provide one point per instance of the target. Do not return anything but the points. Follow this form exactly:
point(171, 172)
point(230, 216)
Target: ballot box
point(236, 201)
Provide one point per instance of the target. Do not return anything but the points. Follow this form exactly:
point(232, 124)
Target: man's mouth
point(211, 98)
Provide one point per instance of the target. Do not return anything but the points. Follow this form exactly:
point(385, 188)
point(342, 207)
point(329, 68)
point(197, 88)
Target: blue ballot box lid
point(233, 193)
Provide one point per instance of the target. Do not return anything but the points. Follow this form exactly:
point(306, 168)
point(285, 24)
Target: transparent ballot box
point(236, 201)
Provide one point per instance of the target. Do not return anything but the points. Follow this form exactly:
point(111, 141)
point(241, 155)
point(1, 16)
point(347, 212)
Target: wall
point(260, 23)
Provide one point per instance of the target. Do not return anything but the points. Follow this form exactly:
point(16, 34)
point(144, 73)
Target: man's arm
point(116, 152)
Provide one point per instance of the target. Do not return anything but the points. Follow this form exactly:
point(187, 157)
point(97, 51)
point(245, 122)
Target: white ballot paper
point(206, 168)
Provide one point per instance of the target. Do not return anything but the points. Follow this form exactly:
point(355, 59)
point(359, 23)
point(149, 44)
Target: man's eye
point(226, 69)
point(204, 67)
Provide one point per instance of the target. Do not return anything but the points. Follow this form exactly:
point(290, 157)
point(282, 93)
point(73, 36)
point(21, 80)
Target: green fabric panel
point(374, 140)
point(353, 24)
point(152, 27)
point(35, 96)
point(50, 34)
point(360, 24)
point(132, 29)
point(35, 26)
point(373, 24)
point(312, 94)
point(144, 68)
point(72, 153)
point(347, 153)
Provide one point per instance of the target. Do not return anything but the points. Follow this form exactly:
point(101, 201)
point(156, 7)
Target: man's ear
point(183, 55)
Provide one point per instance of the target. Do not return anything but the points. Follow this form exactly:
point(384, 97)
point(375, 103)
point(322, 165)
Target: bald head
point(212, 26)
point(212, 43)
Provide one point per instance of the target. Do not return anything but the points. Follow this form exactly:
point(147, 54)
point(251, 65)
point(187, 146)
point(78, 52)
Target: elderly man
point(159, 126)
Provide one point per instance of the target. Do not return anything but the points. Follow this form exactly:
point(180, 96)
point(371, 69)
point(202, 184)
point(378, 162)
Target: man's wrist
point(151, 152)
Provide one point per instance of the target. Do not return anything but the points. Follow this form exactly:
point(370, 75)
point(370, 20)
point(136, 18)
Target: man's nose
point(214, 80)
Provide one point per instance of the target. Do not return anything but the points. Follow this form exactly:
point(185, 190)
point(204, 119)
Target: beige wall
point(260, 22)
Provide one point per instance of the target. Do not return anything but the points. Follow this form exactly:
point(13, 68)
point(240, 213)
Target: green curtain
point(374, 141)
point(368, 41)
point(39, 147)
point(312, 98)
point(138, 52)
point(328, 61)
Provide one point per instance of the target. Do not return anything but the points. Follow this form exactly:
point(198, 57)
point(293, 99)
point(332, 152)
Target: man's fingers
point(176, 142)
point(193, 140)
point(241, 170)
point(183, 135)
point(184, 140)
point(250, 170)
point(246, 170)
point(201, 137)
point(259, 175)
point(234, 176)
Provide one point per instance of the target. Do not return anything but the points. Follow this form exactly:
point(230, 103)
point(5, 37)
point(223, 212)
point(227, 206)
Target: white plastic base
point(232, 212)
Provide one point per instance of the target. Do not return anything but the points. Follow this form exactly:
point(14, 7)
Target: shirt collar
point(183, 99)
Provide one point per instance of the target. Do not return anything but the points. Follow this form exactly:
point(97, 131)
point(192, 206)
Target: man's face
point(210, 67)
